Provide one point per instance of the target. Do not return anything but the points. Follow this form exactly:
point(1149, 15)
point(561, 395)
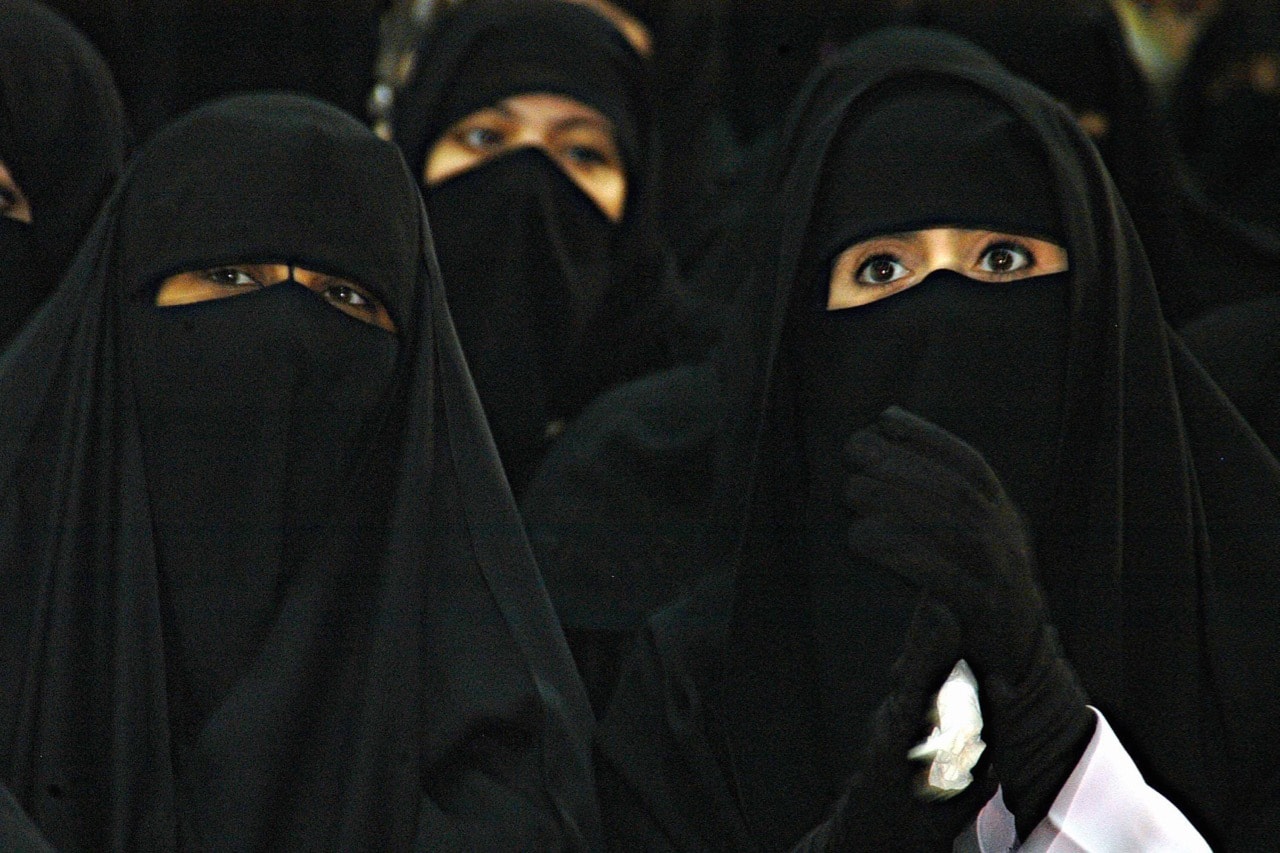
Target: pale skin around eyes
point(350, 298)
point(13, 202)
point(579, 139)
point(881, 266)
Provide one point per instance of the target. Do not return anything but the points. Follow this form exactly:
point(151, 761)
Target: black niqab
point(279, 597)
point(1151, 553)
point(62, 137)
point(554, 303)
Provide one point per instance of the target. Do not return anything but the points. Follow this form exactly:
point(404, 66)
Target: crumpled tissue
point(955, 744)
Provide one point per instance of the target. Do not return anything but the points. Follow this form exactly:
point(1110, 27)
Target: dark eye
point(230, 277)
point(345, 294)
point(585, 156)
point(481, 138)
point(8, 201)
point(1005, 258)
point(880, 269)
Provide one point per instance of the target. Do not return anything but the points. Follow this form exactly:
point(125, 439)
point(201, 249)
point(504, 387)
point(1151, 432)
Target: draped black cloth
point(1155, 534)
point(554, 303)
point(617, 512)
point(63, 138)
point(266, 588)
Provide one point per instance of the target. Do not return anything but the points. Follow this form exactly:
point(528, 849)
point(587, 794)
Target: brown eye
point(345, 294)
point(880, 269)
point(481, 138)
point(585, 156)
point(230, 277)
point(1005, 258)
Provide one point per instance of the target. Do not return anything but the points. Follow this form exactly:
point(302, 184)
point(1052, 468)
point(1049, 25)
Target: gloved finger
point(931, 441)
point(924, 480)
point(929, 652)
point(939, 502)
point(934, 551)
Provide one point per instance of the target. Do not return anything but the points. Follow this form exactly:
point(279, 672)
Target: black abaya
point(266, 587)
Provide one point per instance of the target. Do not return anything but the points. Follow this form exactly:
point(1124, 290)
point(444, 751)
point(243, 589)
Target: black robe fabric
point(63, 139)
point(1239, 345)
point(1155, 551)
point(554, 303)
point(617, 512)
point(266, 588)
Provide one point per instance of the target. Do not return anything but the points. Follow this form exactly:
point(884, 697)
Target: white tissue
point(955, 744)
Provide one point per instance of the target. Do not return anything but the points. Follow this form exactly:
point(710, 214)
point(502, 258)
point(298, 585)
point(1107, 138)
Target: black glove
point(929, 508)
point(882, 808)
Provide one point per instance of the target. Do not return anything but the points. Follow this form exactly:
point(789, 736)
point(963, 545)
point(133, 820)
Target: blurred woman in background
point(62, 145)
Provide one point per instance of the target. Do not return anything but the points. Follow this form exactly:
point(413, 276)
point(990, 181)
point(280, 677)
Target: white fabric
point(1104, 807)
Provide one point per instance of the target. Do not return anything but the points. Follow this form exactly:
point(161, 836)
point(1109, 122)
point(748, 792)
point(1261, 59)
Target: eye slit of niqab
point(880, 266)
point(576, 136)
point(223, 282)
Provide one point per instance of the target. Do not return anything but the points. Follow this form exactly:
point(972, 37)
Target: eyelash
point(1009, 246)
point(365, 303)
point(585, 155)
point(213, 275)
point(491, 137)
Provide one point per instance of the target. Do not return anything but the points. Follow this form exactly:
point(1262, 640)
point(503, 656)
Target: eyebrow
point(590, 122)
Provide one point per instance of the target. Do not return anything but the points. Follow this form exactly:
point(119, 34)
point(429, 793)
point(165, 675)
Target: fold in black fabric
point(578, 303)
point(1156, 529)
point(62, 137)
point(265, 586)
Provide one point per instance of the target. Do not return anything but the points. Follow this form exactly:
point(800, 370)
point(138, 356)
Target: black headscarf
point(266, 587)
point(62, 137)
point(1153, 506)
point(554, 303)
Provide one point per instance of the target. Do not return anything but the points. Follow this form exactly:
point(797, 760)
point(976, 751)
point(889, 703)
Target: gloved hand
point(882, 808)
point(929, 508)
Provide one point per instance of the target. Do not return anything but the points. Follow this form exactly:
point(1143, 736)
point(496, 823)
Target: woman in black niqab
point(1151, 504)
point(62, 139)
point(266, 587)
point(555, 301)
point(1227, 110)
